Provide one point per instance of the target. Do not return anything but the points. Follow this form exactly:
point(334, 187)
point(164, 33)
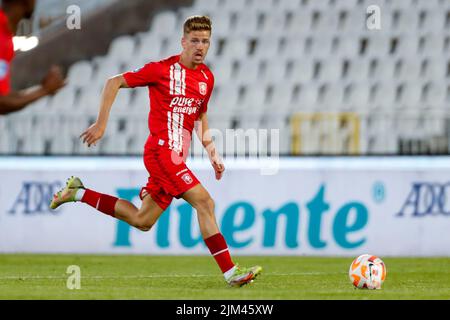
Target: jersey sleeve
point(4, 78)
point(5, 59)
point(208, 96)
point(145, 76)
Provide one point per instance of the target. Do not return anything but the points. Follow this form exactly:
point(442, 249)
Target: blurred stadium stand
point(311, 69)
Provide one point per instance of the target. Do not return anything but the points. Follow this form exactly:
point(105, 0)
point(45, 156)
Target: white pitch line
point(34, 277)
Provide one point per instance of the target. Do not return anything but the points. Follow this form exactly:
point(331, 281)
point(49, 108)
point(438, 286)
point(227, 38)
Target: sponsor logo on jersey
point(182, 102)
point(203, 88)
point(185, 105)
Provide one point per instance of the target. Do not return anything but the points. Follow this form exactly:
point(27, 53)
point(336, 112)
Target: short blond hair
point(197, 23)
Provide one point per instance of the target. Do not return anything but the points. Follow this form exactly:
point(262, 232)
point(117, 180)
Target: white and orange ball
point(367, 272)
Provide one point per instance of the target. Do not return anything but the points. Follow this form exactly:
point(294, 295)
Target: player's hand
point(218, 166)
point(92, 134)
point(53, 81)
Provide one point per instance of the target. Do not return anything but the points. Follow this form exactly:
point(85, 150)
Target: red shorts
point(169, 175)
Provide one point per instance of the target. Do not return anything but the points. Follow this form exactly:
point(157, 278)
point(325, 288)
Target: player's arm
point(15, 101)
point(95, 132)
point(203, 133)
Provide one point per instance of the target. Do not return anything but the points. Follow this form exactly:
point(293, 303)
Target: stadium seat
point(378, 46)
point(225, 99)
point(275, 72)
point(234, 5)
point(105, 69)
point(291, 5)
point(433, 45)
point(330, 70)
point(435, 69)
point(322, 46)
point(348, 46)
point(274, 24)
point(325, 21)
point(173, 46)
point(435, 94)
point(246, 24)
point(407, 46)
point(122, 48)
point(254, 100)
point(282, 99)
point(308, 97)
point(433, 20)
point(429, 5)
point(141, 102)
point(407, 21)
point(294, 48)
point(122, 101)
point(89, 100)
point(237, 47)
point(249, 71)
point(358, 96)
point(262, 6)
point(356, 69)
point(385, 93)
point(303, 70)
point(409, 69)
point(321, 5)
point(63, 100)
point(301, 23)
point(223, 71)
point(221, 24)
point(267, 47)
point(348, 4)
point(79, 74)
point(150, 47)
point(381, 69)
point(330, 97)
point(411, 93)
point(206, 5)
point(165, 24)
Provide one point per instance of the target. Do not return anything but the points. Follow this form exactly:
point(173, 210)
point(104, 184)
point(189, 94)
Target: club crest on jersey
point(187, 178)
point(203, 88)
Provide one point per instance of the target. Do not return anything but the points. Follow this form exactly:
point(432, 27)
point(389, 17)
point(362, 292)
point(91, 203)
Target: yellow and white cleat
point(68, 193)
point(243, 276)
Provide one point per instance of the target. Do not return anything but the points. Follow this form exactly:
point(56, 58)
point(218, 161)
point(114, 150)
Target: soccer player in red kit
point(180, 88)
point(11, 13)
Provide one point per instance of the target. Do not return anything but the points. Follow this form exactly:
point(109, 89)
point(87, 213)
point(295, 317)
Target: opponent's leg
point(143, 218)
point(200, 199)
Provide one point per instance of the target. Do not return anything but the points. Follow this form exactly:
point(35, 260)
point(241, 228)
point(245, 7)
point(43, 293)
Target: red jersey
point(6, 54)
point(178, 95)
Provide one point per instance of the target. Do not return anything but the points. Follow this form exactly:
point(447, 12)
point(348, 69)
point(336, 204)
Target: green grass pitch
point(189, 277)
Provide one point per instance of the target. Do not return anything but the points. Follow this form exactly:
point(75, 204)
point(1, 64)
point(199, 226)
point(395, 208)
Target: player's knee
point(145, 227)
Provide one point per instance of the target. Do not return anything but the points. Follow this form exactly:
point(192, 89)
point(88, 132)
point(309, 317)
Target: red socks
point(102, 202)
point(219, 249)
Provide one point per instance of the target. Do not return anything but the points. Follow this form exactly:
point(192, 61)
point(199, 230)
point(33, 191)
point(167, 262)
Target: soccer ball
point(367, 272)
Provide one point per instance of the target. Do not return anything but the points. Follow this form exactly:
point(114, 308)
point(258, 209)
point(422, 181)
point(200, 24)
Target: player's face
point(196, 45)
